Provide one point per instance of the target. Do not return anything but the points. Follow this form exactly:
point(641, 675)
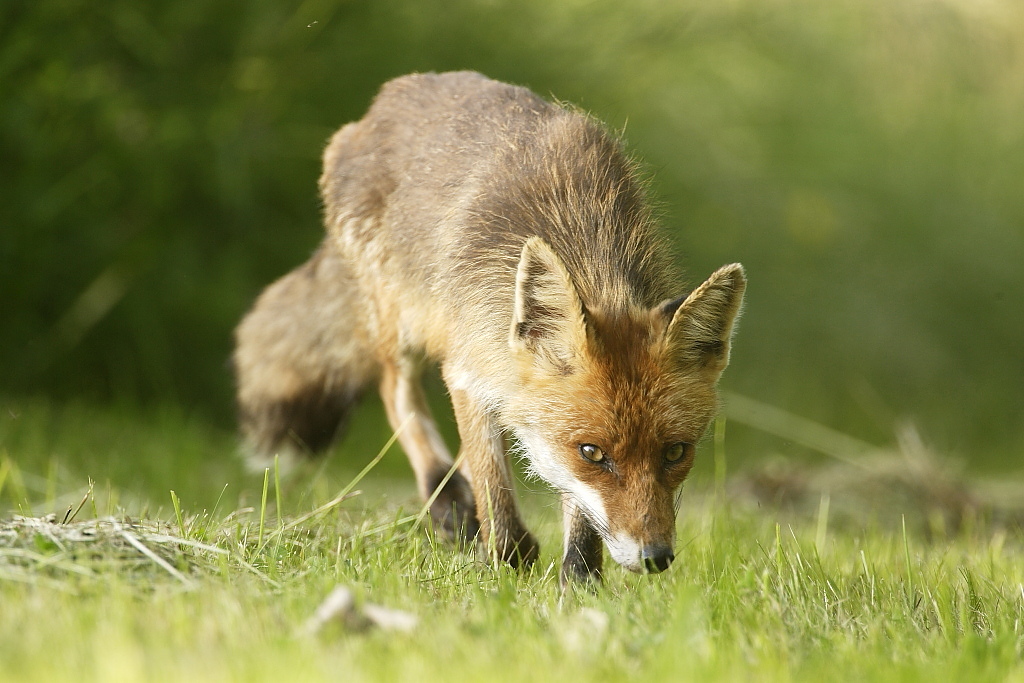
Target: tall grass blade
point(177, 514)
point(263, 508)
point(277, 488)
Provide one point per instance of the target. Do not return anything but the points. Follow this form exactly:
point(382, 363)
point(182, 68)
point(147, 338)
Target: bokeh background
point(863, 158)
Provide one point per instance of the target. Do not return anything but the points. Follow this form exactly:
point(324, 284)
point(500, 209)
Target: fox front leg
point(502, 532)
point(581, 563)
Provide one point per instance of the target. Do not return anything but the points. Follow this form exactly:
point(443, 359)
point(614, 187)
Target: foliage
point(863, 159)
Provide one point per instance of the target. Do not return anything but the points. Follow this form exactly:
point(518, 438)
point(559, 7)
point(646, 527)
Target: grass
point(160, 591)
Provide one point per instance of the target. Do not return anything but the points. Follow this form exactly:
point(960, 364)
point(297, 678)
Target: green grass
point(752, 594)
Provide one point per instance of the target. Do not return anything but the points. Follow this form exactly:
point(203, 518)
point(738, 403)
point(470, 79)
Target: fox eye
point(592, 453)
point(677, 451)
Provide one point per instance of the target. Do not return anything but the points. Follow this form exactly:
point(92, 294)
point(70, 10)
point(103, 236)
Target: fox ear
point(548, 318)
point(701, 325)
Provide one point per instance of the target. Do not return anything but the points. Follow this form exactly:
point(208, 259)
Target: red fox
point(475, 225)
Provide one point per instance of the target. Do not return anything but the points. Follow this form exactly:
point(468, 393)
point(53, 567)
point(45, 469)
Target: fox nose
point(657, 558)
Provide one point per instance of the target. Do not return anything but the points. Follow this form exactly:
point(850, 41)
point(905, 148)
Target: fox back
point(510, 240)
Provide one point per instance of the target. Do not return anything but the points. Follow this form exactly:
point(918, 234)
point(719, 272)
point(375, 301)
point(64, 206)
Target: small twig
point(138, 545)
point(163, 538)
point(798, 429)
point(381, 528)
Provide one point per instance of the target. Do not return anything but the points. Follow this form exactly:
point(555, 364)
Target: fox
point(509, 241)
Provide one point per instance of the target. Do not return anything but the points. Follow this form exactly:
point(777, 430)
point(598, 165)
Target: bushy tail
point(302, 359)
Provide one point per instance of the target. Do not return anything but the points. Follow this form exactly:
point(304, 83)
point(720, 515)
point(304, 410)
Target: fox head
point(612, 403)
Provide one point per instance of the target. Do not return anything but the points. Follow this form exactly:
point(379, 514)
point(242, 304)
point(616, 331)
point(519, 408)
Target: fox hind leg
point(453, 510)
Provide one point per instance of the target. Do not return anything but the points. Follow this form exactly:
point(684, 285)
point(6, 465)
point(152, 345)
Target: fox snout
point(657, 558)
point(640, 520)
point(641, 558)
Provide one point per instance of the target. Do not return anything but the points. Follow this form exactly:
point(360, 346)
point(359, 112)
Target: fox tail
point(302, 360)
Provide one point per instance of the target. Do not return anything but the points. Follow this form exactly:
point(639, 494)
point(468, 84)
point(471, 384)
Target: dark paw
point(581, 565)
point(454, 510)
point(518, 549)
point(577, 575)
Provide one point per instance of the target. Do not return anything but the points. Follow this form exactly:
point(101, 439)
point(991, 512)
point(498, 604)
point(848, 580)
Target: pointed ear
point(548, 318)
point(700, 330)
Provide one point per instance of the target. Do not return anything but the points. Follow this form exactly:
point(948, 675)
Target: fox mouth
point(637, 558)
point(627, 557)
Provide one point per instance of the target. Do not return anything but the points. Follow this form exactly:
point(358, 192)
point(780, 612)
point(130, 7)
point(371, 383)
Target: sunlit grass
point(746, 597)
point(180, 593)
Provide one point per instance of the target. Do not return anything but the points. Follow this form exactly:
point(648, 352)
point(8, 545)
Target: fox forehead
point(630, 394)
point(641, 410)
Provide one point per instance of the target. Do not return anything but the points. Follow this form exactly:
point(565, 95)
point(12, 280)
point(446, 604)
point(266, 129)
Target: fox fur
point(475, 225)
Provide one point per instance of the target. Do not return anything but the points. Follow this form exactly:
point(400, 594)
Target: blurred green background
point(863, 158)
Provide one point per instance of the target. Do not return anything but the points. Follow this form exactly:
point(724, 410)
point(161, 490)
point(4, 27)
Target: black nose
point(657, 558)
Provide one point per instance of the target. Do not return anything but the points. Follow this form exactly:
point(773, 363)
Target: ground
point(94, 588)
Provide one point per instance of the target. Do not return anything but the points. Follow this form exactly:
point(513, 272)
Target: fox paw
point(519, 549)
point(454, 510)
point(575, 576)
